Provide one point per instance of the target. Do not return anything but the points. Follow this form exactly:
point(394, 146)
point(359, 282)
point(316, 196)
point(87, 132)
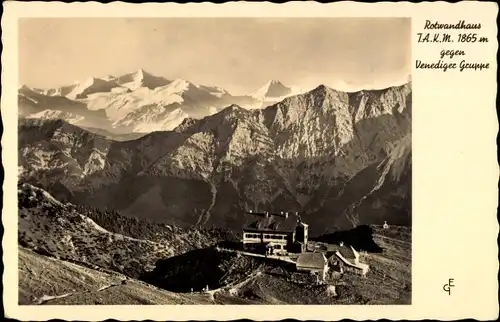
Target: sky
point(237, 54)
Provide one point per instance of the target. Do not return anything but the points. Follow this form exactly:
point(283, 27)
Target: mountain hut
point(274, 233)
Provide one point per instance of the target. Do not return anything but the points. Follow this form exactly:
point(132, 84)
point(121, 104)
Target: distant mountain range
point(138, 102)
point(341, 159)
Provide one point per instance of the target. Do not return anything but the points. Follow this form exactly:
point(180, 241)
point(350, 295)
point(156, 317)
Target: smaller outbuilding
point(315, 263)
point(346, 258)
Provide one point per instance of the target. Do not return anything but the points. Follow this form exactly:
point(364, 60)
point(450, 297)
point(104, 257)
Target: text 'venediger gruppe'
point(445, 61)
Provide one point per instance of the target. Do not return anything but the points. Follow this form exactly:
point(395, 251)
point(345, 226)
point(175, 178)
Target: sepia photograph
point(214, 161)
point(250, 160)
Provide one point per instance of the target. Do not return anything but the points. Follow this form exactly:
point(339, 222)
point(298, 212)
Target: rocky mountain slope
point(390, 195)
point(46, 280)
point(333, 156)
point(75, 255)
point(108, 240)
point(380, 192)
point(137, 102)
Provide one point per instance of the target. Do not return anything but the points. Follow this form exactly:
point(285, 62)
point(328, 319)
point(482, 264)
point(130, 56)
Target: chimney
point(282, 214)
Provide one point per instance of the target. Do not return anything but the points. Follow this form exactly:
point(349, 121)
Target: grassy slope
point(50, 281)
point(76, 237)
point(48, 226)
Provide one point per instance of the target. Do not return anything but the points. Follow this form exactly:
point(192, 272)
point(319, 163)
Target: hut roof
point(311, 260)
point(278, 223)
point(346, 251)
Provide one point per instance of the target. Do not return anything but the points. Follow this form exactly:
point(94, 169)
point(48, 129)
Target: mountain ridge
point(297, 154)
point(141, 102)
point(138, 101)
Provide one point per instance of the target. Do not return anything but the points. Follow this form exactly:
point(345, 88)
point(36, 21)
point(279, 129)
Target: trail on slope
point(47, 298)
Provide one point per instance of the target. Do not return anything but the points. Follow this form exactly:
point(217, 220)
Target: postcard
point(250, 161)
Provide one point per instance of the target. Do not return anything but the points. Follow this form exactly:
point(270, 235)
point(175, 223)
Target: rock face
point(391, 193)
point(339, 158)
point(380, 192)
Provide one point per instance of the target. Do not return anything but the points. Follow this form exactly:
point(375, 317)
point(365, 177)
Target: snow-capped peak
point(57, 115)
point(108, 77)
point(179, 85)
point(25, 89)
point(141, 78)
point(273, 89)
point(90, 86)
point(140, 74)
point(89, 81)
point(274, 82)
